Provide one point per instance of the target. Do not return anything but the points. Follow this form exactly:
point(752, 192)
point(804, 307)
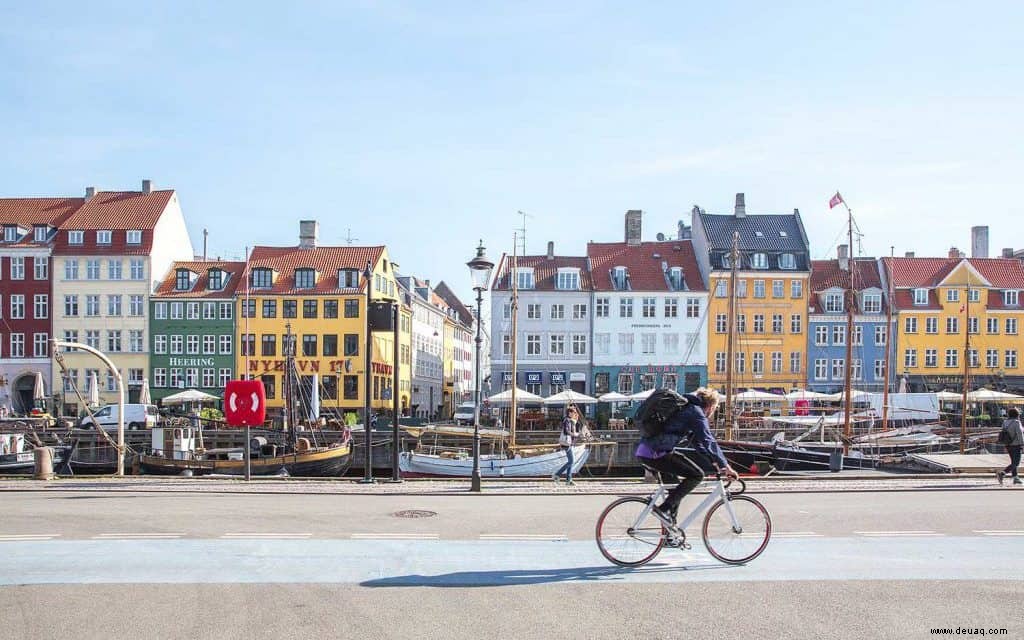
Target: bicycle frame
point(718, 493)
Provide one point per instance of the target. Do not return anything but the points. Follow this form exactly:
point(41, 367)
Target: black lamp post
point(480, 270)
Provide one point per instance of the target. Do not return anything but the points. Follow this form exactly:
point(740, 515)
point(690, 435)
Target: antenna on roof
point(522, 230)
point(348, 237)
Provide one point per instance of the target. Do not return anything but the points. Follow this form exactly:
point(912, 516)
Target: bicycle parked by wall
point(736, 529)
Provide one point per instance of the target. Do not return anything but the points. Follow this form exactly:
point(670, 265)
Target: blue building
point(827, 325)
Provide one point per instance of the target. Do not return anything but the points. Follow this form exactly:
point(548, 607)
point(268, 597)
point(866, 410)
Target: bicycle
point(736, 528)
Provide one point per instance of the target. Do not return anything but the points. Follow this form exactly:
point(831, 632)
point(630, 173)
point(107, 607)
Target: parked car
point(464, 413)
point(136, 416)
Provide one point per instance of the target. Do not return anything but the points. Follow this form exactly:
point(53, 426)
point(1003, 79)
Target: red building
point(29, 227)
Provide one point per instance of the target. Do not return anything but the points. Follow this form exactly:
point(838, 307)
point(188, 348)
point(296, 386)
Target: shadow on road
point(513, 577)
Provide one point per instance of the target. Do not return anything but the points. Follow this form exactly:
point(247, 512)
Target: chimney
point(633, 226)
point(147, 186)
point(1008, 252)
point(683, 231)
point(909, 254)
point(979, 242)
point(955, 253)
point(308, 232)
point(551, 250)
point(741, 206)
point(90, 192)
point(844, 257)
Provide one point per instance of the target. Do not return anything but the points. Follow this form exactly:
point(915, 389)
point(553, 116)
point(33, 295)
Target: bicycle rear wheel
point(742, 541)
point(623, 538)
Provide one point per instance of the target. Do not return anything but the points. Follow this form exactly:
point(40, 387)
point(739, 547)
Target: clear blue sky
point(427, 125)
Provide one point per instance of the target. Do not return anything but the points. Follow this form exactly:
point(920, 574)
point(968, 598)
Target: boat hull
point(326, 462)
point(25, 462)
point(420, 465)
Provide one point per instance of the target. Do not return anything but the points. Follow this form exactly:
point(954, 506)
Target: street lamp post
point(480, 270)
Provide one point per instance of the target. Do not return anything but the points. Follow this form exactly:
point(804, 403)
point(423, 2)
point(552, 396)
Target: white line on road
point(998, 532)
point(796, 534)
point(887, 534)
point(27, 537)
point(267, 536)
point(554, 537)
point(137, 536)
point(395, 536)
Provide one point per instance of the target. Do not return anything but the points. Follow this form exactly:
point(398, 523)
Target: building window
point(972, 325)
point(796, 289)
point(309, 308)
point(92, 338)
point(114, 341)
point(348, 278)
point(330, 344)
point(741, 288)
point(675, 278)
point(177, 344)
point(17, 267)
point(626, 308)
point(209, 344)
point(248, 308)
point(524, 278)
point(558, 312)
point(821, 335)
point(931, 357)
point(721, 323)
point(671, 342)
point(17, 306)
point(758, 323)
point(135, 305)
point(135, 340)
point(192, 310)
point(70, 306)
point(160, 344)
point(556, 345)
point(931, 325)
point(671, 307)
point(305, 278)
point(39, 233)
point(602, 343)
point(103, 237)
point(134, 236)
point(992, 325)
point(330, 309)
point(208, 378)
point(952, 361)
point(626, 343)
point(795, 361)
point(880, 335)
point(137, 268)
point(248, 346)
point(569, 280)
point(741, 362)
point(796, 323)
point(952, 325)
point(10, 233)
point(76, 237)
point(17, 345)
point(289, 308)
point(720, 360)
point(192, 377)
point(920, 297)
point(776, 323)
point(693, 307)
point(601, 308)
point(579, 312)
point(351, 387)
point(533, 311)
point(114, 306)
point(533, 344)
point(787, 261)
point(910, 325)
point(262, 278)
point(160, 378)
point(40, 268)
point(834, 302)
point(209, 311)
point(647, 307)
point(40, 345)
point(778, 288)
point(351, 308)
point(952, 295)
point(872, 303)
point(856, 370)
point(722, 289)
point(973, 358)
point(759, 261)
point(741, 323)
point(182, 280)
point(1011, 326)
point(858, 336)
point(992, 358)
point(192, 345)
point(910, 358)
point(41, 306)
point(268, 345)
point(71, 269)
point(757, 363)
point(1010, 298)
point(223, 377)
point(115, 269)
point(225, 344)
point(506, 345)
point(839, 368)
point(647, 343)
point(759, 290)
point(1011, 359)
point(626, 383)
point(309, 345)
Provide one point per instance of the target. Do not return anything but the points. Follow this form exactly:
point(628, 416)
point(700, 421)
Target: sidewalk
point(811, 482)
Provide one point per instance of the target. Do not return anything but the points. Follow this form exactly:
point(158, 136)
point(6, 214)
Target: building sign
point(190, 362)
point(578, 376)
point(533, 377)
point(506, 377)
point(306, 366)
point(557, 377)
point(651, 369)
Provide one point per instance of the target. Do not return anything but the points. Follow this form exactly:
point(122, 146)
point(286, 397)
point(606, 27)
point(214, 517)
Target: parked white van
point(464, 413)
point(136, 416)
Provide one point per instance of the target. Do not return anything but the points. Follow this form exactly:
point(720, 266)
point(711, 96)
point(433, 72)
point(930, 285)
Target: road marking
point(266, 536)
point(137, 536)
point(796, 534)
point(897, 534)
point(27, 537)
point(553, 537)
point(999, 532)
point(395, 536)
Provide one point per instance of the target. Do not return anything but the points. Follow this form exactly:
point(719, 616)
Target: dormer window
point(783, 234)
point(1010, 298)
point(920, 296)
point(872, 303)
point(305, 278)
point(348, 278)
point(134, 236)
point(726, 261)
point(758, 234)
point(183, 280)
point(620, 277)
point(833, 303)
point(216, 277)
point(787, 260)
point(675, 278)
point(759, 261)
point(524, 278)
point(40, 232)
point(10, 233)
point(262, 278)
point(76, 237)
point(568, 279)
point(104, 237)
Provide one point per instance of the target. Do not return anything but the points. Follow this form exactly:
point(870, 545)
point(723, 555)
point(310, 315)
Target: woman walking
point(1012, 436)
point(571, 429)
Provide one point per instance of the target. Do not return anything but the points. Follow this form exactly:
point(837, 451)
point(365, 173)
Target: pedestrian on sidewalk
point(571, 429)
point(1012, 435)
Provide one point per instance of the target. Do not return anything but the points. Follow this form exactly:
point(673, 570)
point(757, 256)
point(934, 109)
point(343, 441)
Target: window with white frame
point(192, 310)
point(70, 306)
point(776, 323)
point(17, 267)
point(39, 233)
point(741, 362)
point(1011, 326)
point(787, 261)
point(1010, 361)
point(533, 311)
point(675, 278)
point(626, 308)
point(741, 323)
point(856, 370)
point(160, 344)
point(1010, 298)
point(579, 311)
point(931, 325)
point(671, 307)
point(558, 312)
point(952, 295)
point(952, 359)
point(41, 306)
point(174, 379)
point(114, 305)
point(92, 338)
point(134, 236)
point(556, 344)
point(839, 368)
point(40, 345)
point(834, 302)
point(533, 344)
point(910, 325)
point(71, 269)
point(671, 342)
point(838, 334)
point(177, 343)
point(70, 380)
point(92, 269)
point(506, 345)
point(223, 377)
point(796, 323)
point(720, 359)
point(973, 358)
point(992, 325)
point(208, 377)
point(626, 344)
point(160, 378)
point(192, 377)
point(135, 340)
point(579, 344)
point(115, 269)
point(821, 368)
point(226, 311)
point(758, 323)
point(757, 363)
point(776, 362)
point(741, 288)
point(952, 325)
point(920, 297)
point(602, 343)
point(620, 278)
point(858, 336)
point(601, 307)
point(795, 361)
point(721, 323)
point(209, 344)
point(759, 290)
point(992, 358)
point(647, 343)
point(931, 357)
point(972, 325)
point(209, 311)
point(796, 289)
point(872, 303)
point(17, 345)
point(647, 307)
point(104, 236)
point(722, 289)
point(114, 340)
point(76, 237)
point(568, 279)
point(693, 307)
point(778, 288)
point(626, 383)
point(40, 268)
point(137, 268)
point(524, 278)
point(879, 370)
point(759, 261)
point(192, 345)
point(17, 306)
point(136, 305)
point(881, 334)
point(974, 295)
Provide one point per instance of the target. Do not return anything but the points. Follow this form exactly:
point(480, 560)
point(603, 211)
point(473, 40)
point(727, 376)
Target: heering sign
point(190, 362)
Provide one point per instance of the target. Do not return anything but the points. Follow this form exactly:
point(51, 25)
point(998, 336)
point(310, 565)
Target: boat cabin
point(12, 443)
point(175, 443)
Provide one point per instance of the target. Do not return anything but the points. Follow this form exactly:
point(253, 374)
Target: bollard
point(44, 463)
point(835, 461)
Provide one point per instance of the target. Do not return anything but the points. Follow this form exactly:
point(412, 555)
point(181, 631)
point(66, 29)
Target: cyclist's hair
point(1012, 412)
point(709, 397)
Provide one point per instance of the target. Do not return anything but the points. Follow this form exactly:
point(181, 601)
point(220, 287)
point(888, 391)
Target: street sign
point(245, 403)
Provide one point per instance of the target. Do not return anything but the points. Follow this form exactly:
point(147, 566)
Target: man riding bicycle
point(659, 451)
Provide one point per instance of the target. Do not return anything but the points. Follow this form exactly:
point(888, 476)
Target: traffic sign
point(245, 403)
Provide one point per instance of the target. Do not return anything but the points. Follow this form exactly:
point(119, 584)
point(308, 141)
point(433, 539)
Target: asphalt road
point(851, 565)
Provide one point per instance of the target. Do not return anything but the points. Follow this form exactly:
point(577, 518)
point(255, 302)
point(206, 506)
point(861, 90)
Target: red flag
point(836, 200)
point(963, 308)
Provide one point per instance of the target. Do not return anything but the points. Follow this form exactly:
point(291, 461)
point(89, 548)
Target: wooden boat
point(523, 464)
point(17, 455)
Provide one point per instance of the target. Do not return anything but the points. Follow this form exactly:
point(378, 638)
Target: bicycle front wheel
point(741, 540)
point(624, 538)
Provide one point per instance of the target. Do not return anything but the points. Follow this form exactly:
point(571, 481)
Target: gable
point(962, 275)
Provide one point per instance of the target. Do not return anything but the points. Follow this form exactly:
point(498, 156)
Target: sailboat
point(174, 450)
point(506, 459)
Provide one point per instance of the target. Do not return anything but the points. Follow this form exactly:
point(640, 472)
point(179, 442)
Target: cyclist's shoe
point(999, 476)
point(570, 483)
point(554, 477)
point(667, 515)
point(1017, 480)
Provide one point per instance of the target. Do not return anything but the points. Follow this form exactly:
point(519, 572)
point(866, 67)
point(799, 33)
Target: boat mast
point(967, 365)
point(289, 390)
point(734, 258)
point(515, 337)
point(851, 300)
point(888, 351)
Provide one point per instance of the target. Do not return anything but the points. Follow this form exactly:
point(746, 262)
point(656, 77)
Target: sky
point(427, 126)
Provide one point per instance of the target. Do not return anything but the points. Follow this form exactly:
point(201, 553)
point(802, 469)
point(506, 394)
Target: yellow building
point(770, 342)
point(319, 295)
point(937, 301)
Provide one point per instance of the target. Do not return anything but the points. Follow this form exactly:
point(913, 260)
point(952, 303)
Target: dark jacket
point(689, 423)
point(1013, 437)
point(571, 428)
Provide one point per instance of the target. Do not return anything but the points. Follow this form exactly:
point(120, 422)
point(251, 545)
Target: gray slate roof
point(719, 230)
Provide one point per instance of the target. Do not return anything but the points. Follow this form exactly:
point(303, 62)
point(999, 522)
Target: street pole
point(368, 381)
point(395, 432)
point(475, 484)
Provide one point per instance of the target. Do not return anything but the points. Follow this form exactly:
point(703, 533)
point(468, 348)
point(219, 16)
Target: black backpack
point(654, 412)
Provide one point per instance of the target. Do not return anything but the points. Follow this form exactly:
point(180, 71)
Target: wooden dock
point(958, 463)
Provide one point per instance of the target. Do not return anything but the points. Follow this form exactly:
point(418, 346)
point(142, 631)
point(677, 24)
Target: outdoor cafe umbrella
point(189, 395)
point(144, 396)
point(855, 394)
point(505, 397)
point(988, 395)
point(570, 397)
point(38, 390)
point(753, 395)
point(613, 396)
point(947, 396)
point(94, 390)
point(642, 395)
point(806, 394)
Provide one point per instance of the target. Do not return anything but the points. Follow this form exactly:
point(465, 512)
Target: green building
point(192, 328)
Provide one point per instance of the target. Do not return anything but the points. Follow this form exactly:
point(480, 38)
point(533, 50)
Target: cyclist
point(659, 452)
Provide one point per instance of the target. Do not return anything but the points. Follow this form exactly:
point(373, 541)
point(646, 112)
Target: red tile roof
point(201, 288)
point(325, 260)
point(545, 272)
point(1002, 273)
point(644, 264)
point(120, 210)
point(904, 299)
point(27, 212)
point(826, 274)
